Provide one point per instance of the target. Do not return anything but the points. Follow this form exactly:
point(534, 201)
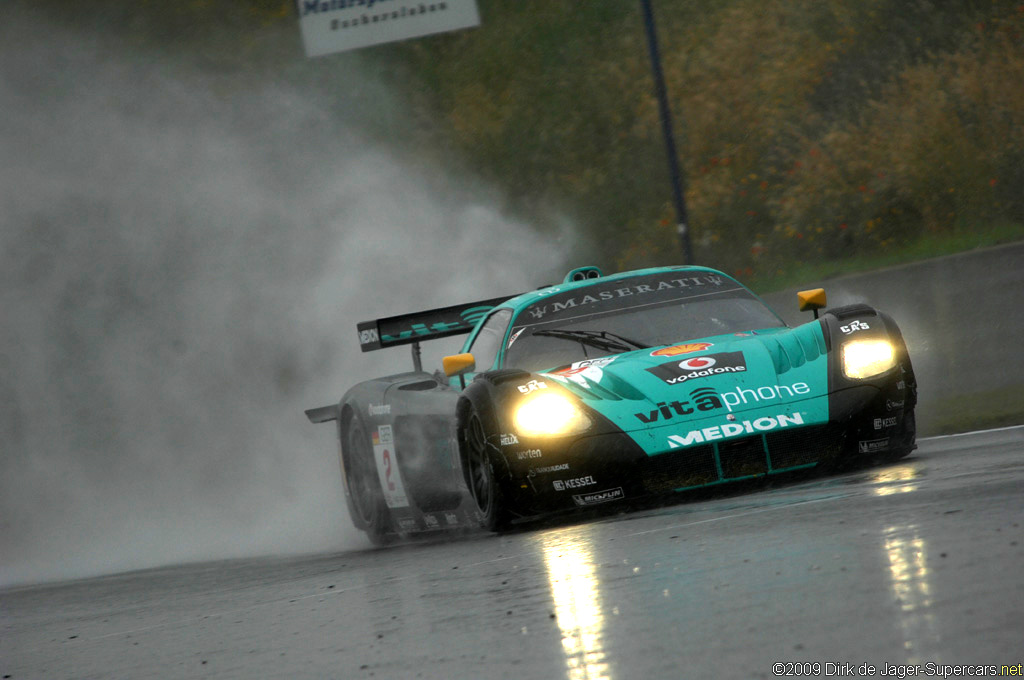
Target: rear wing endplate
point(323, 414)
point(428, 325)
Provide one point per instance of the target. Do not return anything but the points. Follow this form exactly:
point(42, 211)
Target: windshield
point(650, 311)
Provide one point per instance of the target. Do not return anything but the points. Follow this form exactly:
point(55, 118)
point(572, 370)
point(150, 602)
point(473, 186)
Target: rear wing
point(429, 325)
point(323, 414)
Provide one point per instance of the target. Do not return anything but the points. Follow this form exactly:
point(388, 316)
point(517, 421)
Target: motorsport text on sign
point(337, 25)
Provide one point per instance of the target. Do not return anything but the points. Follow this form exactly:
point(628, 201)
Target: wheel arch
point(346, 416)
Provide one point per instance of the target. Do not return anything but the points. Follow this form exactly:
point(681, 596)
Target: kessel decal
point(883, 423)
point(577, 483)
point(676, 373)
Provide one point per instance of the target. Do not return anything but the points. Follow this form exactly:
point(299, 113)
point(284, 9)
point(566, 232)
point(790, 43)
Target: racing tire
point(364, 486)
point(482, 475)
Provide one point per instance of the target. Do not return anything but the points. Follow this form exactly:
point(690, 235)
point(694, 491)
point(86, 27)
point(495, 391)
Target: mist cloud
point(182, 267)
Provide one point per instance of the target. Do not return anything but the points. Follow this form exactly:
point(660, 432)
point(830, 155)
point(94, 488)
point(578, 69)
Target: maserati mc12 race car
point(605, 389)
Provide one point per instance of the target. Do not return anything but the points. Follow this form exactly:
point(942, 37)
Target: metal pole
point(666, 128)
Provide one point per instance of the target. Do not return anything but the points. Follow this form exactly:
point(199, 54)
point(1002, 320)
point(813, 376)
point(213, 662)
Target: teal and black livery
point(606, 389)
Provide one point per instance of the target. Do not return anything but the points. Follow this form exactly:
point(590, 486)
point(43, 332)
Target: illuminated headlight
point(865, 358)
point(549, 414)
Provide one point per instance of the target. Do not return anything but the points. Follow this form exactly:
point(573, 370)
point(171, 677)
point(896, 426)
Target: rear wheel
point(364, 486)
point(481, 472)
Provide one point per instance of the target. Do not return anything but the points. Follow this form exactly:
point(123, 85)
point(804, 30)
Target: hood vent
point(794, 349)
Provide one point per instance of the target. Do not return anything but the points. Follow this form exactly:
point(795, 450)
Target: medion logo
point(729, 430)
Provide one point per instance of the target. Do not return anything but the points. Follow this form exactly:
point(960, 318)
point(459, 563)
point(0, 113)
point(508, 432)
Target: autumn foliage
point(807, 128)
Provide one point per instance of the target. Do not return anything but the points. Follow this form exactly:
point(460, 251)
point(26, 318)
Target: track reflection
point(575, 590)
point(907, 554)
point(897, 479)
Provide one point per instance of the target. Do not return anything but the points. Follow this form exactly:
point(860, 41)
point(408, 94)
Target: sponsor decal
point(707, 399)
point(561, 467)
point(509, 439)
point(892, 405)
point(581, 372)
point(382, 435)
point(882, 423)
point(729, 430)
point(576, 483)
point(676, 350)
point(451, 518)
point(872, 445)
point(531, 453)
point(581, 366)
point(854, 327)
point(431, 522)
point(599, 496)
point(368, 337)
point(703, 399)
point(532, 386)
point(406, 523)
point(742, 396)
point(380, 409)
point(387, 468)
point(700, 367)
point(539, 311)
point(515, 336)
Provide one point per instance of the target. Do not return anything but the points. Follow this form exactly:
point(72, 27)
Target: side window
point(488, 341)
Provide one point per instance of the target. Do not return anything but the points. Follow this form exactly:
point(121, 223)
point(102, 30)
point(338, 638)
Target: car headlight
point(866, 358)
point(549, 414)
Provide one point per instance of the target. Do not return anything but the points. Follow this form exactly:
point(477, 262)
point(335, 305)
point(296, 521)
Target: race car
point(607, 389)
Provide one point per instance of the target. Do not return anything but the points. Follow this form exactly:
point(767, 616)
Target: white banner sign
point(336, 25)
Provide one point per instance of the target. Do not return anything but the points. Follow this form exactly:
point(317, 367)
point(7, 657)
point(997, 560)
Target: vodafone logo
point(675, 373)
point(697, 363)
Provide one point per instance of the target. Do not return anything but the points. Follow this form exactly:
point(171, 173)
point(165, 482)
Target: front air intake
point(582, 274)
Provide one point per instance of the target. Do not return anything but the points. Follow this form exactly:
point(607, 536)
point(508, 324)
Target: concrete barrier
point(963, 319)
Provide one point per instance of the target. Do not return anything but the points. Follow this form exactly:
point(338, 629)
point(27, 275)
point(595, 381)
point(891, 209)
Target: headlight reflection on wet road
point(898, 479)
point(907, 554)
point(575, 590)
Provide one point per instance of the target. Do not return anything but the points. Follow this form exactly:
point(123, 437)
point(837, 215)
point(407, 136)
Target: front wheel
point(481, 472)
point(364, 486)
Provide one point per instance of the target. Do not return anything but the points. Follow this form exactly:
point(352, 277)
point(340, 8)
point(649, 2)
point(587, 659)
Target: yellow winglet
point(811, 299)
point(457, 364)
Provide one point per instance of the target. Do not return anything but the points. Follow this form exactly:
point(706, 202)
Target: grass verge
point(1000, 407)
point(924, 248)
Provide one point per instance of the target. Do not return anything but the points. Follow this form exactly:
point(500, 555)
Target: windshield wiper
point(605, 340)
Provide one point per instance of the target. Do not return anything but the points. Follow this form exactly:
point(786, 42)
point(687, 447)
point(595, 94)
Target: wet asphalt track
point(920, 562)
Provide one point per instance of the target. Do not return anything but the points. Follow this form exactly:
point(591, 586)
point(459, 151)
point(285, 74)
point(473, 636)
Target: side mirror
point(811, 300)
point(458, 364)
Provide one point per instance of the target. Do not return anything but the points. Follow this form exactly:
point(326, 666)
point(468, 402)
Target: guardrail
point(963, 319)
